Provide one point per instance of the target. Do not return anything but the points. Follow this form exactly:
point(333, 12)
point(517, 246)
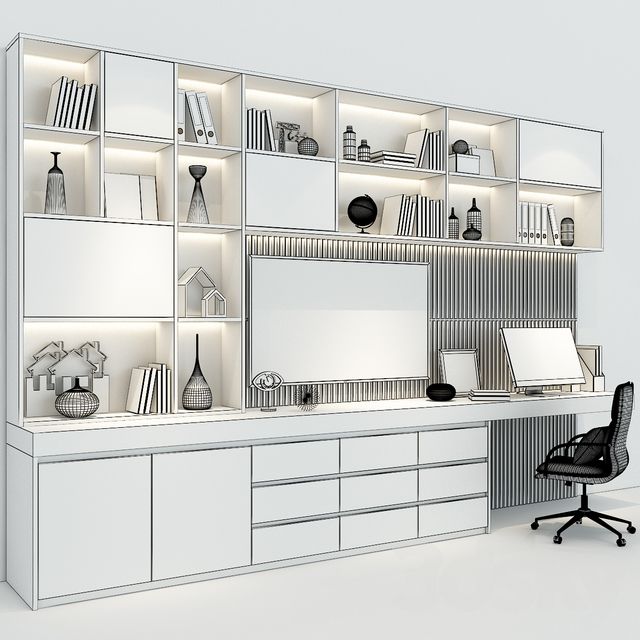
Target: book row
point(260, 132)
point(149, 389)
point(537, 224)
point(415, 215)
point(71, 105)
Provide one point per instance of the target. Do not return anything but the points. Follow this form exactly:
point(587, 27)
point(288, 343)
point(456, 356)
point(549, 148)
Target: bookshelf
point(247, 191)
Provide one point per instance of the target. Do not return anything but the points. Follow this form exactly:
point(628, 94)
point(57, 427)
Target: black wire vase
point(77, 402)
point(197, 394)
point(55, 200)
point(197, 208)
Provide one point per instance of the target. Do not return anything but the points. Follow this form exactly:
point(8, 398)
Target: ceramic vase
point(197, 394)
point(197, 208)
point(77, 402)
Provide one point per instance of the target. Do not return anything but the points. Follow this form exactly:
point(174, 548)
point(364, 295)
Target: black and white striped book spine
point(87, 116)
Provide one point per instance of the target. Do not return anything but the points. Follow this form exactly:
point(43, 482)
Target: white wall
point(571, 61)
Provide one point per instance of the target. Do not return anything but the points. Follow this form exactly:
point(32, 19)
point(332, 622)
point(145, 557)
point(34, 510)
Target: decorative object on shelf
point(460, 147)
point(54, 371)
point(197, 395)
point(362, 211)
point(464, 163)
point(198, 296)
point(197, 208)
point(149, 389)
point(55, 200)
point(267, 382)
point(130, 196)
point(460, 368)
point(441, 392)
point(74, 111)
point(472, 234)
point(349, 144)
point(306, 397)
point(77, 402)
point(567, 232)
point(474, 217)
point(308, 146)
point(453, 230)
point(487, 161)
point(287, 134)
point(393, 158)
point(364, 151)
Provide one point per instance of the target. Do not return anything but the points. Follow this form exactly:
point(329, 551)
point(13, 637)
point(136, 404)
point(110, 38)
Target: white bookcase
point(88, 276)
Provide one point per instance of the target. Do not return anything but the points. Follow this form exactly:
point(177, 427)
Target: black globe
point(362, 211)
point(460, 146)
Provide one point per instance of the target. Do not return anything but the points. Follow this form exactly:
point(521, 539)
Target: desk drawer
point(453, 444)
point(377, 528)
point(297, 460)
point(295, 540)
point(448, 517)
point(379, 490)
point(457, 480)
point(378, 452)
point(295, 500)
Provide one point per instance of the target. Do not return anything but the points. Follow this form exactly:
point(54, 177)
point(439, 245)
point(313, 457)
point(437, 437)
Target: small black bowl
point(441, 392)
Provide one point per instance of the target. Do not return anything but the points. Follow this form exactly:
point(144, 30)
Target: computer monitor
point(540, 357)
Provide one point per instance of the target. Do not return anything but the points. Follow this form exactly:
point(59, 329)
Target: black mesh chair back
point(620, 420)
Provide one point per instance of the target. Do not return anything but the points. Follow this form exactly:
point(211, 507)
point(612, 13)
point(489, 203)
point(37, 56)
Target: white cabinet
point(201, 511)
point(295, 540)
point(94, 525)
point(139, 96)
point(449, 517)
point(93, 269)
point(559, 154)
point(295, 460)
point(378, 528)
point(378, 452)
point(378, 490)
point(447, 445)
point(295, 500)
point(290, 192)
point(456, 480)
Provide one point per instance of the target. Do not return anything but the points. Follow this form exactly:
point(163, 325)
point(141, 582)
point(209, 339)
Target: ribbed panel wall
point(517, 448)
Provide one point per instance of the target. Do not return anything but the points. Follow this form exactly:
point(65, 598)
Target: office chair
point(600, 456)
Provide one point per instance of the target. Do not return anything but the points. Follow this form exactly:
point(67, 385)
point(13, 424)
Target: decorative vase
point(197, 207)
point(349, 144)
point(77, 402)
point(474, 217)
point(453, 231)
point(308, 147)
point(364, 151)
point(362, 211)
point(567, 232)
point(472, 234)
point(197, 394)
point(55, 200)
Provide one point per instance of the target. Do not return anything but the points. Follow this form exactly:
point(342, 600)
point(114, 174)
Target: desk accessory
point(460, 368)
point(306, 397)
point(362, 211)
point(441, 392)
point(268, 382)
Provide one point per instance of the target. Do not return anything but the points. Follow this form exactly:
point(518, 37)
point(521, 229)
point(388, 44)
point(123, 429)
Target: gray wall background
point(572, 61)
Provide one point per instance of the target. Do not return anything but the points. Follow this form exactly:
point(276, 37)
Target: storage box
point(463, 163)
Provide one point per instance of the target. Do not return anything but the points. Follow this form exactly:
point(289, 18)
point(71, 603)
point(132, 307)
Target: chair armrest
point(571, 442)
point(566, 445)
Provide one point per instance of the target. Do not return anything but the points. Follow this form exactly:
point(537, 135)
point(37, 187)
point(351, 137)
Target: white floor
point(514, 583)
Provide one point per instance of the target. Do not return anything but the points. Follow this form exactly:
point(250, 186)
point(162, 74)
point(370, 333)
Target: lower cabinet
point(379, 527)
point(201, 511)
point(450, 517)
point(94, 522)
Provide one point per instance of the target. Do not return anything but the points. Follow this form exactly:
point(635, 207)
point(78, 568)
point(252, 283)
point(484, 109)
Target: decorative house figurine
point(198, 296)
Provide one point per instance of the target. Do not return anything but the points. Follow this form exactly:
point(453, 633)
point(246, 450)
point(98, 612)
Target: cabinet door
point(378, 528)
point(138, 96)
point(378, 452)
point(201, 511)
point(94, 529)
point(290, 192)
point(565, 155)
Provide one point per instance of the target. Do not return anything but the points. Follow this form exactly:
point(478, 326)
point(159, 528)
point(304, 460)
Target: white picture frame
point(459, 367)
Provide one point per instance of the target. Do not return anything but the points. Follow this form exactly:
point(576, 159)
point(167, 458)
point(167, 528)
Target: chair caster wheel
point(631, 529)
point(578, 521)
point(557, 539)
point(621, 542)
point(534, 525)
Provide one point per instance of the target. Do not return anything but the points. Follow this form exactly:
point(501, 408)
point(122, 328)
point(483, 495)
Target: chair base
point(577, 515)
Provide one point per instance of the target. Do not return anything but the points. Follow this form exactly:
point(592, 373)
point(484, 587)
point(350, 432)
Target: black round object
point(534, 525)
point(77, 402)
point(631, 529)
point(557, 539)
point(472, 234)
point(441, 392)
point(460, 146)
point(621, 542)
point(362, 211)
point(308, 147)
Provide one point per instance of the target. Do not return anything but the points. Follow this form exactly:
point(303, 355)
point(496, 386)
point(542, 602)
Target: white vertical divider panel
point(93, 149)
point(176, 275)
point(101, 119)
point(244, 246)
point(337, 154)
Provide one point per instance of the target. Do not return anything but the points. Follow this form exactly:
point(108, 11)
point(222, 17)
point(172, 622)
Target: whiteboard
point(322, 320)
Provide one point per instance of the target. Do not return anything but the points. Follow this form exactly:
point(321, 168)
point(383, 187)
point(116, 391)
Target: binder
point(538, 223)
point(207, 118)
point(543, 225)
point(181, 113)
point(196, 118)
point(553, 223)
point(520, 223)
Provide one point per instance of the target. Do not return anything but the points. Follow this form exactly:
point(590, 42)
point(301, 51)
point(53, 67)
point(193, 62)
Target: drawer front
point(457, 480)
point(298, 460)
point(378, 490)
point(295, 500)
point(377, 528)
point(295, 540)
point(453, 444)
point(378, 452)
point(448, 517)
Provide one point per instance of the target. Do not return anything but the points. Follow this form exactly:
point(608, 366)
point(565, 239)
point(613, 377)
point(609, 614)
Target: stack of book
point(260, 132)
point(537, 224)
point(430, 219)
point(149, 389)
point(409, 215)
point(394, 158)
point(489, 395)
point(200, 120)
point(71, 105)
point(428, 148)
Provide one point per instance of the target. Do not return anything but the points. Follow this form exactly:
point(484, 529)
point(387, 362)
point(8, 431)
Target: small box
point(464, 163)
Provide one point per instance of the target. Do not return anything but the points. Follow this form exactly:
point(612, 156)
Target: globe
point(362, 211)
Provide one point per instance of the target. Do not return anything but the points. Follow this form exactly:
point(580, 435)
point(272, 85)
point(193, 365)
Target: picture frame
point(487, 160)
point(459, 367)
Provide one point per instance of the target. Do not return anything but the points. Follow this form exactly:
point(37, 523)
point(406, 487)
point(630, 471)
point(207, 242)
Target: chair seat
point(564, 466)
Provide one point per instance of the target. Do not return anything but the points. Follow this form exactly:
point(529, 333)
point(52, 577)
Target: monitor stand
point(533, 391)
